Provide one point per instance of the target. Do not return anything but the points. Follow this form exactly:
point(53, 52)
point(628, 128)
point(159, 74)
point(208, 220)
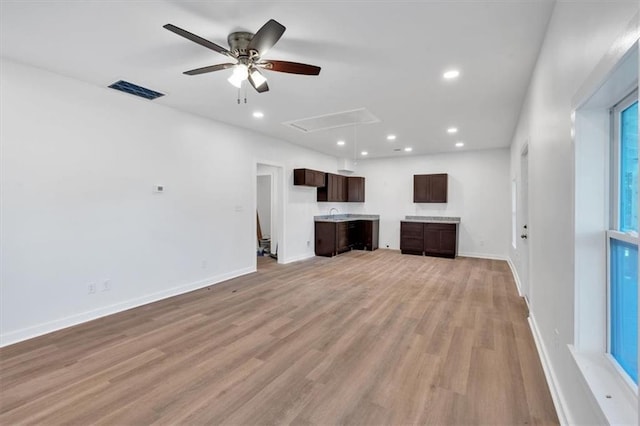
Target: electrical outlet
point(92, 288)
point(106, 285)
point(204, 264)
point(387, 245)
point(308, 243)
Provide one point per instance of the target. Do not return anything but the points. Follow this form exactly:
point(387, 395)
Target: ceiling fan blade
point(266, 37)
point(210, 68)
point(197, 39)
point(290, 67)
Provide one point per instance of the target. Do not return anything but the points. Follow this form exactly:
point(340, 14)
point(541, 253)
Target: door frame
point(278, 212)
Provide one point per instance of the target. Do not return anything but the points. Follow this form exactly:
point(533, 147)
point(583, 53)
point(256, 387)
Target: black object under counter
point(430, 235)
point(335, 234)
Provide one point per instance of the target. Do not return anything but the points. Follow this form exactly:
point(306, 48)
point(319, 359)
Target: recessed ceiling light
point(459, 144)
point(391, 137)
point(452, 130)
point(258, 114)
point(408, 149)
point(364, 153)
point(451, 74)
point(340, 143)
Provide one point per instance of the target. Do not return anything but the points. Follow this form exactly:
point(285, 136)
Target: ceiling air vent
point(134, 89)
point(332, 121)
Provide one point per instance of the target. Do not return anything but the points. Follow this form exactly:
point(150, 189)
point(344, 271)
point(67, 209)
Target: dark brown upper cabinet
point(334, 190)
point(340, 188)
point(308, 177)
point(355, 189)
point(430, 188)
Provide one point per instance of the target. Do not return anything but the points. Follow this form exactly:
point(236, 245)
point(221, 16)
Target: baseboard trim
point(483, 256)
point(516, 278)
point(59, 324)
point(559, 401)
point(298, 258)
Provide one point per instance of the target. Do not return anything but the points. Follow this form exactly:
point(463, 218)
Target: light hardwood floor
point(363, 338)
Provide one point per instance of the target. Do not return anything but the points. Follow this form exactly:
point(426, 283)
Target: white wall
point(264, 204)
point(579, 34)
point(479, 193)
point(78, 166)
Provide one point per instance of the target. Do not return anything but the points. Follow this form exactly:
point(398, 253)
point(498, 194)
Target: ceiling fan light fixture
point(240, 74)
point(257, 77)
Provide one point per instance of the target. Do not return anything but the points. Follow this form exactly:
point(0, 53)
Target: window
point(623, 238)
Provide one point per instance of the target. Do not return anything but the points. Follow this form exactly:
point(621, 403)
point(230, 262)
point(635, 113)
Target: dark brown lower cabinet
point(333, 238)
point(369, 234)
point(342, 237)
point(325, 239)
point(441, 239)
point(432, 239)
point(412, 238)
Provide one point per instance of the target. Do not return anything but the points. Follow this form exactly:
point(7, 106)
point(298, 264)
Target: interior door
point(523, 241)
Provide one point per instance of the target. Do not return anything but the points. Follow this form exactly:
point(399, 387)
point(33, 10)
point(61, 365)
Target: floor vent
point(134, 89)
point(332, 121)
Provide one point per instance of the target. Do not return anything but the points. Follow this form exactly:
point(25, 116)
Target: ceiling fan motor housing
point(238, 43)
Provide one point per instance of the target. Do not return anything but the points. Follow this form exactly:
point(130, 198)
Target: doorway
point(524, 223)
point(268, 215)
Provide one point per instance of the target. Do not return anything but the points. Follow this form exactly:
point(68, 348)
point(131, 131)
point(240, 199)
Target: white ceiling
point(387, 57)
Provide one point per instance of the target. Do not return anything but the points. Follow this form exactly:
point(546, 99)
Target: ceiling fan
point(247, 50)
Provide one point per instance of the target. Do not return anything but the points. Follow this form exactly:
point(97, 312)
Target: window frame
point(613, 233)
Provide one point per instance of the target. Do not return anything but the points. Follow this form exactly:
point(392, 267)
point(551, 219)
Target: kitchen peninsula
point(335, 234)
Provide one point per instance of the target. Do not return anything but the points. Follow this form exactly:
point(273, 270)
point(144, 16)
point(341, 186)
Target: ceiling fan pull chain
point(238, 96)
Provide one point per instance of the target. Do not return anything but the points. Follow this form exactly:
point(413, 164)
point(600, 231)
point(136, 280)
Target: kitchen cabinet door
point(430, 188)
point(308, 177)
point(355, 189)
point(342, 237)
point(412, 237)
point(438, 188)
point(335, 189)
point(325, 236)
point(440, 239)
point(370, 230)
point(420, 188)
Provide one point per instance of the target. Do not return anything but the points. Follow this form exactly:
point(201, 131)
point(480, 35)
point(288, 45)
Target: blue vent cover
point(133, 89)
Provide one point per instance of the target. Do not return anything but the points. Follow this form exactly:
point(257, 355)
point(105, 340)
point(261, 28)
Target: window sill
point(617, 401)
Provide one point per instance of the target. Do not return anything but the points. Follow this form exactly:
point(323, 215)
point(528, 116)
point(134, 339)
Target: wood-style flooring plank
point(362, 338)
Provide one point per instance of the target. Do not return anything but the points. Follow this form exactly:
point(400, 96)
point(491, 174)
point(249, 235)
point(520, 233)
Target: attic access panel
point(333, 121)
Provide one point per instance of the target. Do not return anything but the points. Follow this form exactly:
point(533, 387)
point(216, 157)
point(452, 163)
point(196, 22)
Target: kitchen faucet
point(331, 210)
